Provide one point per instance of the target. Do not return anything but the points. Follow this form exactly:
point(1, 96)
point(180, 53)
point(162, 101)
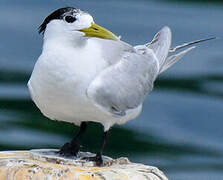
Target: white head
point(74, 24)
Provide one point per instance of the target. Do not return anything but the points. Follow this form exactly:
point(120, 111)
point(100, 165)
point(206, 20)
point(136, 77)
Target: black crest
point(58, 14)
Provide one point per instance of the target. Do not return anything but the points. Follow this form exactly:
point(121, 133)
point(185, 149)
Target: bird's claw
point(97, 159)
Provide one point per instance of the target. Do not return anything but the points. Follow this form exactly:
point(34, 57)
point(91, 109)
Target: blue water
point(180, 129)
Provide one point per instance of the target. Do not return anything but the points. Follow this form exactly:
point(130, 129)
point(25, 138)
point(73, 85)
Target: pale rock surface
point(45, 164)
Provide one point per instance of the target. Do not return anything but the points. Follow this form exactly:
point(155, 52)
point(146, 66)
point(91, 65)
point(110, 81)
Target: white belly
point(58, 87)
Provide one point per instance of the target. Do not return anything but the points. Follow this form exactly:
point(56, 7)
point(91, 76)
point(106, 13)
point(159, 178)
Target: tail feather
point(161, 47)
point(174, 58)
point(161, 44)
point(189, 43)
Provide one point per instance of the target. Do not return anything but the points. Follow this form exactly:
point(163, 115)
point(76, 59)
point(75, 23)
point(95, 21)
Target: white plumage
point(79, 77)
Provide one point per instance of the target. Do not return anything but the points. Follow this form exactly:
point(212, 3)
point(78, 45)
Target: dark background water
point(180, 128)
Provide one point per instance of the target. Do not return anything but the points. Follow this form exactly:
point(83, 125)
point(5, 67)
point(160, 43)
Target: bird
point(87, 73)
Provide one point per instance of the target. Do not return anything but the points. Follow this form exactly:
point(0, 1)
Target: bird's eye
point(70, 19)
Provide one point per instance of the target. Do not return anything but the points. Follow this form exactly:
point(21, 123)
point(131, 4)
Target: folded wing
point(124, 85)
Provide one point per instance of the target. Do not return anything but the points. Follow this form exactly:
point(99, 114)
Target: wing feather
point(125, 85)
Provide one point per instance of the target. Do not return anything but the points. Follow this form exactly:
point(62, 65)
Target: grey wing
point(160, 45)
point(124, 85)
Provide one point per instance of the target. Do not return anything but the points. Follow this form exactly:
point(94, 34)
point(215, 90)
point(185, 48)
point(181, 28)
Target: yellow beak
point(100, 32)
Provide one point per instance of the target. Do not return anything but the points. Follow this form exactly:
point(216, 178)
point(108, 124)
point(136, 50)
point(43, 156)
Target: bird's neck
point(58, 39)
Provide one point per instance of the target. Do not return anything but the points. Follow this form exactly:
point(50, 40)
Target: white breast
point(59, 82)
point(60, 78)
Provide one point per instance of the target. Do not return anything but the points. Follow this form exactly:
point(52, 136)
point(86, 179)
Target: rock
point(46, 164)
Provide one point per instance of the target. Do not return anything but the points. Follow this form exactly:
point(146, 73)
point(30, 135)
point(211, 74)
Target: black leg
point(98, 158)
point(105, 138)
point(73, 147)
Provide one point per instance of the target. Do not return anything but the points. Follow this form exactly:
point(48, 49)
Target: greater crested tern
point(86, 73)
